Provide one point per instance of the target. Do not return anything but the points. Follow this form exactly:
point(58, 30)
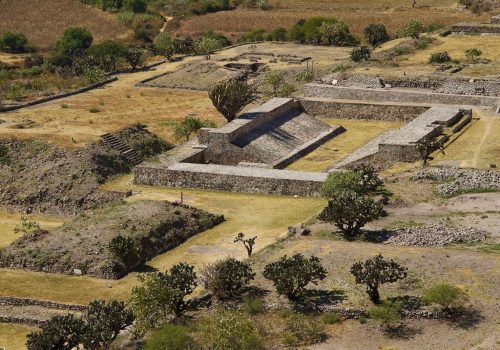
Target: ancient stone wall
point(360, 110)
point(475, 28)
point(231, 178)
point(15, 301)
point(390, 95)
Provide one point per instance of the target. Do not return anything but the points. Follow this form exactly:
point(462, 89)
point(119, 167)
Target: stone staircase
point(112, 141)
point(281, 136)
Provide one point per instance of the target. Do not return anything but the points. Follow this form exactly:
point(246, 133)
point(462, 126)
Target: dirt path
point(166, 19)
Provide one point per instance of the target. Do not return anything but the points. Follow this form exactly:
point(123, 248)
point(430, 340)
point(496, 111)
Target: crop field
point(357, 15)
point(44, 21)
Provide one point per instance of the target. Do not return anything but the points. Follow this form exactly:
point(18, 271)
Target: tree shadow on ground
point(377, 236)
point(146, 268)
point(465, 318)
point(316, 298)
point(253, 291)
point(403, 331)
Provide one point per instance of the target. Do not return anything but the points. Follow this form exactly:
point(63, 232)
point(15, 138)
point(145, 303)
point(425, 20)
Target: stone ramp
point(283, 135)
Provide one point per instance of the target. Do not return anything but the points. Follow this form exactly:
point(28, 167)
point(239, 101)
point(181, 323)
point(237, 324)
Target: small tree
point(248, 243)
point(412, 29)
point(104, 321)
point(107, 54)
point(376, 271)
point(124, 249)
point(333, 31)
point(276, 85)
point(183, 278)
point(154, 301)
point(439, 57)
point(229, 97)
point(136, 6)
point(135, 57)
point(74, 42)
point(60, 332)
point(370, 181)
point(340, 181)
point(226, 278)
point(447, 296)
point(191, 124)
point(291, 275)
point(206, 46)
point(359, 54)
point(376, 34)
point(164, 45)
point(473, 54)
point(13, 42)
point(426, 146)
point(350, 211)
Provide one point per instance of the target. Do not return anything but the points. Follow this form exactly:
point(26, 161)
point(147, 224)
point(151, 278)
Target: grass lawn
point(358, 133)
point(265, 216)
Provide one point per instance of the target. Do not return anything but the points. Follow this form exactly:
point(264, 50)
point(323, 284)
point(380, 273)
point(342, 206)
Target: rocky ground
point(82, 245)
point(39, 177)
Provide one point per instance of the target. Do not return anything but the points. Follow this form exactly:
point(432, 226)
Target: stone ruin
point(492, 28)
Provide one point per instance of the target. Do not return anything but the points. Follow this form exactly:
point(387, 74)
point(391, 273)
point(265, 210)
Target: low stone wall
point(399, 95)
point(231, 178)
point(361, 110)
point(475, 28)
point(15, 301)
point(58, 96)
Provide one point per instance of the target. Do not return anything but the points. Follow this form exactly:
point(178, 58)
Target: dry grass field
point(44, 21)
point(357, 15)
point(13, 336)
point(358, 133)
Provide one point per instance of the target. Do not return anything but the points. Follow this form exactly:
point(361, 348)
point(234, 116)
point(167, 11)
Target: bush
point(439, 57)
point(226, 278)
point(74, 42)
point(256, 35)
point(33, 61)
point(124, 248)
point(276, 85)
point(376, 271)
point(291, 275)
point(305, 76)
point(447, 296)
point(473, 54)
point(4, 155)
point(229, 330)
point(13, 42)
point(359, 54)
point(136, 6)
point(341, 181)
point(331, 318)
point(302, 330)
point(107, 55)
point(322, 30)
point(253, 305)
point(231, 96)
point(376, 34)
point(60, 332)
point(387, 313)
point(164, 45)
point(279, 34)
point(171, 337)
point(412, 29)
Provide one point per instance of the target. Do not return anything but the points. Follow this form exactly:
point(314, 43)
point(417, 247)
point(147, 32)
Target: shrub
point(321, 30)
point(135, 57)
point(341, 181)
point(387, 313)
point(136, 6)
point(230, 96)
point(302, 330)
point(107, 54)
point(331, 318)
point(439, 57)
point(376, 271)
point(206, 46)
point(423, 42)
point(253, 305)
point(226, 278)
point(74, 42)
point(33, 61)
point(447, 296)
point(291, 275)
point(276, 85)
point(13, 42)
point(279, 34)
point(412, 29)
point(376, 34)
point(59, 332)
point(256, 35)
point(305, 76)
point(164, 45)
point(124, 249)
point(191, 124)
point(473, 54)
point(171, 337)
point(350, 211)
point(229, 330)
point(104, 321)
point(359, 54)
point(4, 155)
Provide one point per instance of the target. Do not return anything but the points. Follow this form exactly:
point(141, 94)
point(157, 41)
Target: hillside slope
point(43, 21)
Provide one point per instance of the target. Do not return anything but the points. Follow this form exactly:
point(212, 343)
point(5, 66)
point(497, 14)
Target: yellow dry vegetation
point(77, 120)
point(264, 216)
point(358, 133)
point(8, 222)
point(357, 15)
point(13, 336)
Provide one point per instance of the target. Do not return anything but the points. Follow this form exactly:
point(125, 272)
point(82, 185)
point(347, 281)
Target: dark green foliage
point(182, 277)
point(134, 57)
point(291, 275)
point(4, 155)
point(447, 296)
point(104, 321)
point(331, 318)
point(376, 34)
point(248, 243)
point(376, 271)
point(136, 6)
point(60, 332)
point(13, 42)
point(342, 181)
point(164, 45)
point(229, 97)
point(226, 278)
point(253, 36)
point(359, 54)
point(171, 337)
point(124, 249)
point(183, 45)
point(253, 305)
point(388, 314)
point(279, 34)
point(190, 125)
point(473, 54)
point(276, 85)
point(322, 31)
point(74, 42)
point(350, 211)
point(33, 61)
point(439, 57)
point(107, 54)
point(412, 29)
